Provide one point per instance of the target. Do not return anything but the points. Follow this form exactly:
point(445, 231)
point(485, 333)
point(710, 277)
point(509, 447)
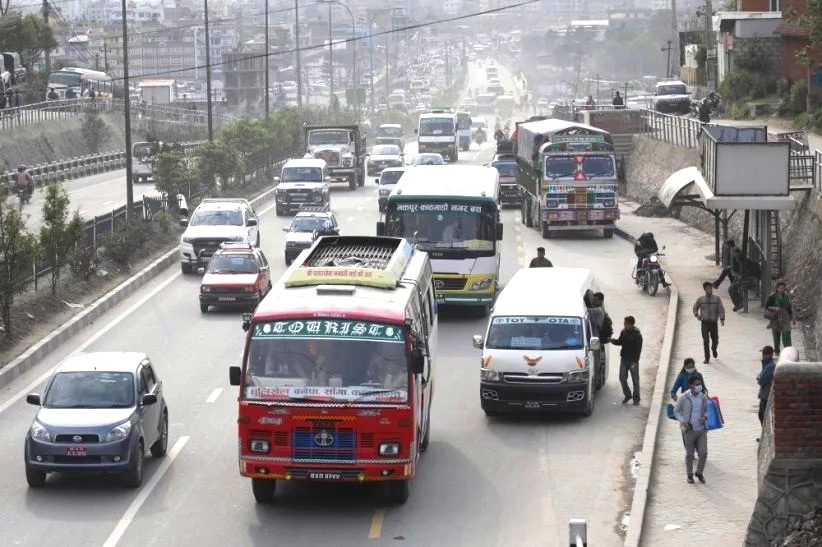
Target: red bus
point(337, 374)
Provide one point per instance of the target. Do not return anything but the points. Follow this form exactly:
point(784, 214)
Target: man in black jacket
point(631, 341)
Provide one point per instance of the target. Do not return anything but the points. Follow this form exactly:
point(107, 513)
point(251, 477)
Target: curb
point(642, 487)
point(36, 353)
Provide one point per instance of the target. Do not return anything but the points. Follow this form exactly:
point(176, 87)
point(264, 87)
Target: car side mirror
point(277, 180)
point(234, 376)
point(183, 222)
point(416, 361)
point(33, 399)
point(478, 341)
point(595, 344)
point(246, 321)
point(499, 231)
point(380, 228)
point(285, 229)
point(252, 222)
point(149, 399)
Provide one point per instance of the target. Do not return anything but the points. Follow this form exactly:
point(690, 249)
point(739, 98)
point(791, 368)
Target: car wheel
point(160, 447)
point(185, 268)
point(36, 479)
point(608, 233)
point(589, 408)
point(263, 489)
point(399, 490)
point(133, 478)
point(204, 308)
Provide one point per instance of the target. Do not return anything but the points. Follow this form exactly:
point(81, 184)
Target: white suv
point(214, 222)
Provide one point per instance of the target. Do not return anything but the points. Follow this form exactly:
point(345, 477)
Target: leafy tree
point(217, 165)
point(172, 175)
point(58, 235)
point(95, 131)
point(18, 250)
point(27, 35)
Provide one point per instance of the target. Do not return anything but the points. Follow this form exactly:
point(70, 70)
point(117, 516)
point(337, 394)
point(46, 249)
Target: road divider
point(375, 531)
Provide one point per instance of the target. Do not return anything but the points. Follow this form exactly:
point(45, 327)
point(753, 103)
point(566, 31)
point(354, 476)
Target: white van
point(540, 352)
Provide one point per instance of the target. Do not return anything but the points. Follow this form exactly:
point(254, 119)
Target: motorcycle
point(479, 136)
point(651, 275)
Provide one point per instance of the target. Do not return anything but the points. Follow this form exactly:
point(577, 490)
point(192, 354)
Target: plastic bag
point(715, 399)
point(714, 420)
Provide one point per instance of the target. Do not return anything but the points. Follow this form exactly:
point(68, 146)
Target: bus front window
point(438, 226)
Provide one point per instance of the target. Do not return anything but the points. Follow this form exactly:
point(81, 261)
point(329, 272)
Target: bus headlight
point(577, 376)
point(389, 449)
point(609, 203)
point(490, 375)
point(258, 446)
point(482, 284)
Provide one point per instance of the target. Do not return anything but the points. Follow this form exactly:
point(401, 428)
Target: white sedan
point(383, 156)
point(429, 158)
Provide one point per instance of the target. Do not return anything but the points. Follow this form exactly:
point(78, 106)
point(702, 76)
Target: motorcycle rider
point(644, 247)
point(499, 135)
point(23, 181)
point(705, 111)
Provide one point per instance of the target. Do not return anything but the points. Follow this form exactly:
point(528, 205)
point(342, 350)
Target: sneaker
point(690, 479)
point(706, 361)
point(701, 477)
point(636, 402)
point(715, 354)
point(737, 308)
point(626, 399)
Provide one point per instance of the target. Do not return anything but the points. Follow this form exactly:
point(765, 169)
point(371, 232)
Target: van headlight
point(490, 375)
point(389, 449)
point(39, 432)
point(482, 284)
point(258, 446)
point(119, 433)
point(186, 239)
point(346, 162)
point(577, 376)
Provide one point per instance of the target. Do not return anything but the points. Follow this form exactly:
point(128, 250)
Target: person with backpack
point(683, 378)
point(781, 311)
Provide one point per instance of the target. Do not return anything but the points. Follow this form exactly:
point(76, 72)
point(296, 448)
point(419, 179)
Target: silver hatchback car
point(100, 412)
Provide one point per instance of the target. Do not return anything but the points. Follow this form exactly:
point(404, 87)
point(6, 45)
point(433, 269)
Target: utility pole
point(297, 51)
point(267, 53)
point(105, 57)
point(674, 41)
point(709, 16)
point(330, 62)
point(97, 61)
point(668, 65)
point(388, 63)
point(127, 116)
point(208, 75)
point(46, 9)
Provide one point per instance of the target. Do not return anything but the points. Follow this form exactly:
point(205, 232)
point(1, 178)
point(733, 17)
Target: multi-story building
point(244, 80)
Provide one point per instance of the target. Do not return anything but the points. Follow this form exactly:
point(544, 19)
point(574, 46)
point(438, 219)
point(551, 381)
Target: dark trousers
point(709, 330)
point(736, 288)
point(763, 405)
point(726, 272)
point(624, 369)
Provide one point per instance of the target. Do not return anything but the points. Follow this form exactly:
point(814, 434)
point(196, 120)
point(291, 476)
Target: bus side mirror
point(380, 228)
point(246, 321)
point(416, 361)
point(499, 231)
point(234, 376)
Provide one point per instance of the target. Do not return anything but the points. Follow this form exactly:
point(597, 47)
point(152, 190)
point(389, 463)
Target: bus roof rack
point(236, 246)
point(314, 208)
point(352, 260)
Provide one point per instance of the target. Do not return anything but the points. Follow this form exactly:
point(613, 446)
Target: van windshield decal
point(535, 332)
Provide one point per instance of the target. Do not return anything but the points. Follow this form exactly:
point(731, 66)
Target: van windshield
point(535, 332)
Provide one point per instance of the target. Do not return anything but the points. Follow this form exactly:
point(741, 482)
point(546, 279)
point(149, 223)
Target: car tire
point(263, 490)
point(203, 308)
point(160, 447)
point(608, 233)
point(398, 491)
point(490, 413)
point(35, 478)
point(133, 477)
point(185, 268)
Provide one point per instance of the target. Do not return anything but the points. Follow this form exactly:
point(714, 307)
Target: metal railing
point(47, 111)
point(676, 130)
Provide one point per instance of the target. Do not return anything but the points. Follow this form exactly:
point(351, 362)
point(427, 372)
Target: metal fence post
point(578, 533)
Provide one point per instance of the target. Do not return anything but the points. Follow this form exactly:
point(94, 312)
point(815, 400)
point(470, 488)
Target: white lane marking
point(350, 219)
point(145, 492)
point(99, 334)
point(83, 212)
point(107, 202)
point(360, 208)
point(214, 395)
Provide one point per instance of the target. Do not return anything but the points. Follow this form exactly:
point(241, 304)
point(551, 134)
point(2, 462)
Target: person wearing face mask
point(691, 411)
point(684, 376)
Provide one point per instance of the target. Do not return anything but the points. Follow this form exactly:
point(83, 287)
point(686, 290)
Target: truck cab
point(437, 132)
point(301, 182)
point(343, 150)
point(390, 133)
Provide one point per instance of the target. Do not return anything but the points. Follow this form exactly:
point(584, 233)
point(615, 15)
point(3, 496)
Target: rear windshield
point(390, 177)
point(535, 332)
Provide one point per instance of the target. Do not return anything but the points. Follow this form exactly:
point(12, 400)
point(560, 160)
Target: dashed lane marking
point(145, 492)
point(350, 219)
point(360, 208)
point(376, 524)
point(214, 395)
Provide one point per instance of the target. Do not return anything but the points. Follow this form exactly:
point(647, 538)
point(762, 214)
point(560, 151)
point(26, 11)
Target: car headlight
point(490, 375)
point(186, 239)
point(205, 288)
point(248, 288)
point(39, 432)
point(389, 449)
point(384, 191)
point(482, 284)
point(258, 446)
point(119, 433)
point(577, 376)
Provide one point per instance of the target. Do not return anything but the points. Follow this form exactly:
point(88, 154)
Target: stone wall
point(790, 453)
point(770, 47)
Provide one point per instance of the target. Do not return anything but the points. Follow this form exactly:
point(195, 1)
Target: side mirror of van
point(246, 321)
point(276, 180)
point(478, 341)
point(416, 131)
point(416, 361)
point(234, 376)
point(380, 228)
point(499, 231)
point(595, 344)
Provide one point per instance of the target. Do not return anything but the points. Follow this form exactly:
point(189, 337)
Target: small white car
point(214, 222)
point(429, 158)
point(388, 180)
point(383, 156)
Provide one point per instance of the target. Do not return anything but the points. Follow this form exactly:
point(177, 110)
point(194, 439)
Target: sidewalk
point(715, 513)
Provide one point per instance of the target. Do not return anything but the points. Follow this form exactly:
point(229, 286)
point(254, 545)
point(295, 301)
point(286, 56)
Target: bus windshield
point(436, 127)
point(68, 79)
point(563, 167)
point(463, 121)
point(445, 225)
point(142, 150)
point(327, 361)
point(535, 333)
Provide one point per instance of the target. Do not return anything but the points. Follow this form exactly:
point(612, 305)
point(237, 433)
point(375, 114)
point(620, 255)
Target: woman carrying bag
point(780, 314)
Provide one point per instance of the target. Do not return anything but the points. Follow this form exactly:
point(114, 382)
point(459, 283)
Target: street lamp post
point(208, 75)
point(353, 46)
point(267, 69)
point(330, 61)
point(127, 120)
point(297, 51)
point(371, 52)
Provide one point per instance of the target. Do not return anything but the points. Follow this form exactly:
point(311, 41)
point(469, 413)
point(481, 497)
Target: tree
point(172, 175)
point(27, 35)
point(58, 235)
point(18, 250)
point(95, 131)
point(217, 164)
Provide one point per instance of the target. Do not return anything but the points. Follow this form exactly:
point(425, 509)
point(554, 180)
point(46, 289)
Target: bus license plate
point(532, 404)
point(318, 476)
point(227, 299)
point(76, 451)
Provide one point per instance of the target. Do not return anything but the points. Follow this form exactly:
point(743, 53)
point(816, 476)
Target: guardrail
point(676, 130)
point(82, 166)
point(14, 118)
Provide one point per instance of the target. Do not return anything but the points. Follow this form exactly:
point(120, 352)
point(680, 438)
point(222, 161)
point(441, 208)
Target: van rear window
point(535, 332)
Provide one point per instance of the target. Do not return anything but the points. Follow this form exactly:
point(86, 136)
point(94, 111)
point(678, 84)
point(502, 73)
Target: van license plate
point(227, 299)
point(532, 404)
point(76, 451)
point(317, 476)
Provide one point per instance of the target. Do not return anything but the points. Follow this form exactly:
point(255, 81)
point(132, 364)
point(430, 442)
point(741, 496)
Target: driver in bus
point(451, 231)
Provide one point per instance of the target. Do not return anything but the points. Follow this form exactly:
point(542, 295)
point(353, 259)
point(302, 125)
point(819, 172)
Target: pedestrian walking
point(729, 251)
point(540, 261)
point(748, 273)
point(709, 310)
point(691, 410)
point(779, 304)
point(630, 340)
point(765, 379)
point(684, 377)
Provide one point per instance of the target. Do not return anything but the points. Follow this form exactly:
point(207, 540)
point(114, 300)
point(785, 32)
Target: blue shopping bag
point(714, 420)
